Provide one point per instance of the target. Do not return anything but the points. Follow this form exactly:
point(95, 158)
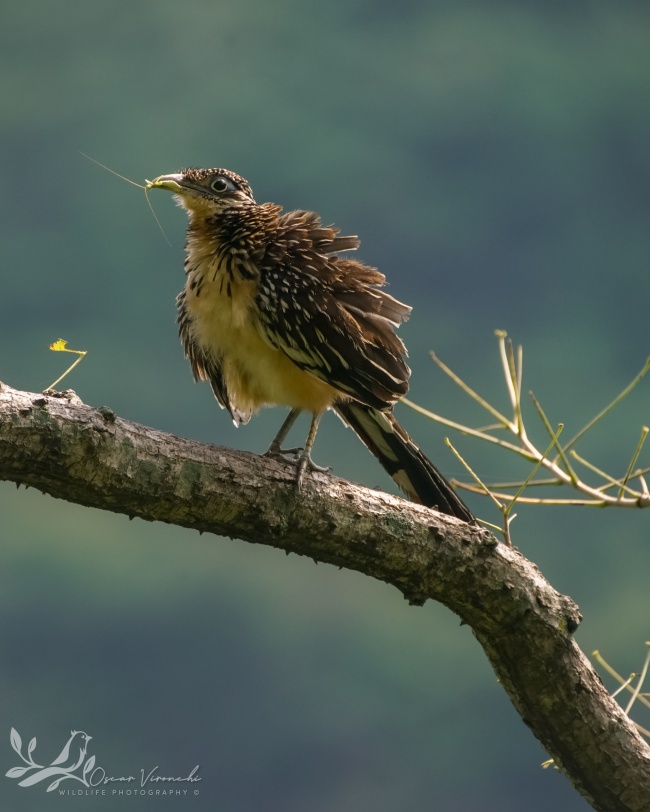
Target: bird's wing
point(336, 326)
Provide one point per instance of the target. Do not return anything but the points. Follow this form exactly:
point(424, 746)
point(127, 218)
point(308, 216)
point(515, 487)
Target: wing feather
point(328, 314)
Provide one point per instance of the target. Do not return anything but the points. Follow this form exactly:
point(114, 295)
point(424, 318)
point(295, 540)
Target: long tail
point(402, 459)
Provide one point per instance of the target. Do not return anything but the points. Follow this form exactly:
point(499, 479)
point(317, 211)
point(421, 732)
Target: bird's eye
point(221, 184)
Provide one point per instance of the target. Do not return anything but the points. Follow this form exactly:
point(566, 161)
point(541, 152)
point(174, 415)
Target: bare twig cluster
point(560, 460)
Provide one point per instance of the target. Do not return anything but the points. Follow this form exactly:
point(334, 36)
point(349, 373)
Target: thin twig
point(567, 465)
point(481, 435)
point(530, 500)
point(608, 408)
point(635, 457)
point(505, 531)
point(642, 677)
point(536, 468)
point(474, 395)
point(622, 687)
point(610, 481)
point(612, 672)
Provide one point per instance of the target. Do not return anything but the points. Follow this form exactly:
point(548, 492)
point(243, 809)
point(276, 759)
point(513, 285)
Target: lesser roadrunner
point(271, 314)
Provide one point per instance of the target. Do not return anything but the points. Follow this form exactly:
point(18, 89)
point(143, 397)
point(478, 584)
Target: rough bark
point(92, 457)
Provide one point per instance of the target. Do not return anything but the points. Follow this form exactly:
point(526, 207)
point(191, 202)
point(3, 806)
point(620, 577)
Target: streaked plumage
point(272, 314)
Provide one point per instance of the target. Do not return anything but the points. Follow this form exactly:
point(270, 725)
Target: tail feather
point(405, 463)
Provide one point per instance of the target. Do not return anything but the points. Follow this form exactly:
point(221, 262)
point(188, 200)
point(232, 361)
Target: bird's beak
point(173, 183)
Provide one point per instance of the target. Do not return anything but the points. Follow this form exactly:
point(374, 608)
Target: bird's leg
point(275, 449)
point(305, 460)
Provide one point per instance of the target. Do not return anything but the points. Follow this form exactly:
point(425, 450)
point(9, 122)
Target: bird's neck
point(238, 230)
point(227, 245)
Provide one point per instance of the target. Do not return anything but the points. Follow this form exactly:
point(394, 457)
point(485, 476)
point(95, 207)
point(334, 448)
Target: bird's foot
point(300, 457)
point(305, 463)
point(275, 452)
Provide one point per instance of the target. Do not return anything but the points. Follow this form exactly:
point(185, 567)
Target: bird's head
point(206, 191)
point(84, 738)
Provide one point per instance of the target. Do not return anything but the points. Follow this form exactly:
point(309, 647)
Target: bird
point(275, 313)
point(77, 739)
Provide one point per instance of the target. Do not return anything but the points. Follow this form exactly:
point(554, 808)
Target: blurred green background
point(495, 160)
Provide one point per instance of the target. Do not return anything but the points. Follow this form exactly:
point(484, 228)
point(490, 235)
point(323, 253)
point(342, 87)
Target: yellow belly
point(256, 374)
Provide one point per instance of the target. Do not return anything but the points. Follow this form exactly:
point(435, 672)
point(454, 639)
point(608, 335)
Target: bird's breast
point(220, 304)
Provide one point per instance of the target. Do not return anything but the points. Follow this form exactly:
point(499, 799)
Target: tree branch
point(85, 455)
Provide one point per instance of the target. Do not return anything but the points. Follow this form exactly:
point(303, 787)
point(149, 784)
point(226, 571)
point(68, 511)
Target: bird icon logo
point(71, 763)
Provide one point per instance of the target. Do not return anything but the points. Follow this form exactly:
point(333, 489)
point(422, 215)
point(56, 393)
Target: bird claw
point(301, 456)
point(274, 452)
point(298, 456)
point(306, 463)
